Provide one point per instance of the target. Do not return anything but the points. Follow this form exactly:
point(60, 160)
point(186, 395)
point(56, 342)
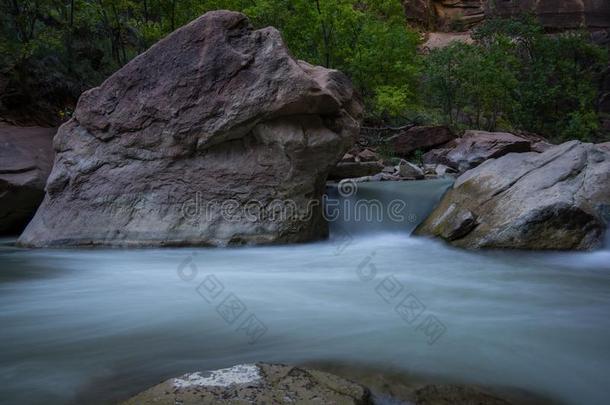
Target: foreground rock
point(558, 199)
point(255, 384)
point(475, 147)
point(280, 384)
point(26, 159)
point(208, 138)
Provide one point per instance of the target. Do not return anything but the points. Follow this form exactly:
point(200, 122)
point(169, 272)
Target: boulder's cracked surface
point(558, 199)
point(216, 135)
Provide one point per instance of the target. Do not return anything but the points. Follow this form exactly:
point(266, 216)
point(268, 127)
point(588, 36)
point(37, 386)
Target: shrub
point(516, 76)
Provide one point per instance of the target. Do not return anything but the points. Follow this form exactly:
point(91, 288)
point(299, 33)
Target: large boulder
point(26, 159)
point(255, 384)
point(216, 135)
point(558, 199)
point(475, 147)
point(421, 138)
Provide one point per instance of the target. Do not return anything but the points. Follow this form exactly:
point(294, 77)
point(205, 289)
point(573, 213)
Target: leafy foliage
point(513, 77)
point(89, 39)
point(516, 77)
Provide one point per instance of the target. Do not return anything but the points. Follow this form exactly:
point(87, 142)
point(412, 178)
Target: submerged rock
point(255, 384)
point(558, 199)
point(200, 140)
point(455, 395)
point(26, 159)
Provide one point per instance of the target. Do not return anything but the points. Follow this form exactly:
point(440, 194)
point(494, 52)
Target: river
point(95, 326)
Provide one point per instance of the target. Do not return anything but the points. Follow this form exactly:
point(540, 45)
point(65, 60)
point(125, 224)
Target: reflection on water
point(91, 326)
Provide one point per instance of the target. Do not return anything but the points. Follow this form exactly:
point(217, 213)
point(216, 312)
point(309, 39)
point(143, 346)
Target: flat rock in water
point(200, 141)
point(558, 200)
point(255, 384)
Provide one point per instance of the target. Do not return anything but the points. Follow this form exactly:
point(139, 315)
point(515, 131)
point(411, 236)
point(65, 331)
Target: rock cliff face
point(558, 199)
point(556, 14)
point(214, 136)
point(26, 158)
point(446, 15)
point(456, 15)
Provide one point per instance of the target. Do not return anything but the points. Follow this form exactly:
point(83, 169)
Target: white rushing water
point(87, 326)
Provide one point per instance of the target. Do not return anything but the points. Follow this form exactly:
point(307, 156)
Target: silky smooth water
point(94, 326)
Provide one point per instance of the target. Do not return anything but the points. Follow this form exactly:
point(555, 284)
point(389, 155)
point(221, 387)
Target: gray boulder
point(255, 384)
point(558, 199)
point(216, 135)
point(26, 159)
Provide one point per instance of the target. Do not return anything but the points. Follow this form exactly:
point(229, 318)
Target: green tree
point(86, 40)
point(514, 76)
point(367, 40)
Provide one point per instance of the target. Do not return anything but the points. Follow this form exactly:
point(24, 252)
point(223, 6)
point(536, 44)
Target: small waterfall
point(390, 206)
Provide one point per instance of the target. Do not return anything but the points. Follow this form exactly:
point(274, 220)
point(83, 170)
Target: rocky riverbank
point(552, 200)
